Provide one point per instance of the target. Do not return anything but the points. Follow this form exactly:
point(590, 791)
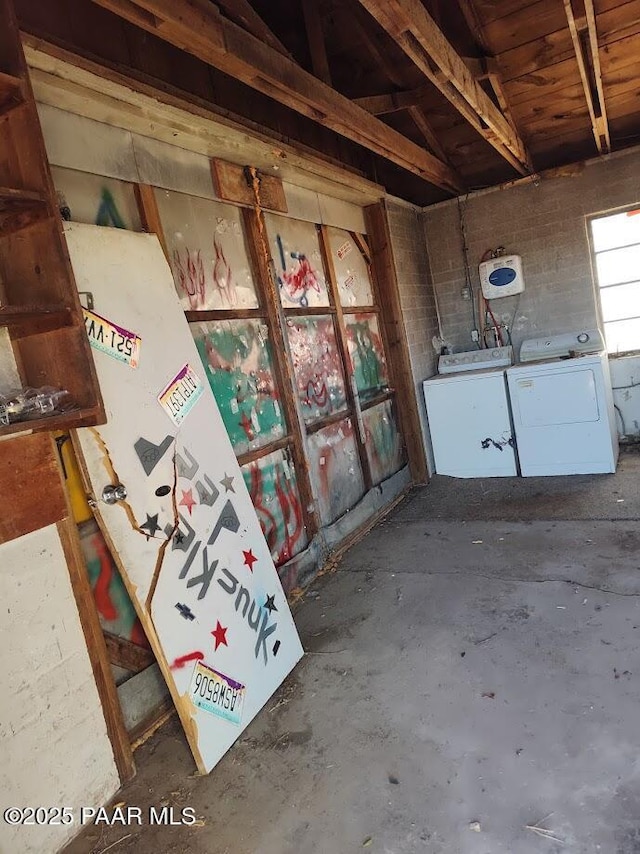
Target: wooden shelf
point(62, 421)
point(25, 320)
point(11, 93)
point(21, 208)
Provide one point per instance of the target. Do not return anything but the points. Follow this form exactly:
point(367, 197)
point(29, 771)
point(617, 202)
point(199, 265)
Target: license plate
point(180, 395)
point(216, 693)
point(112, 339)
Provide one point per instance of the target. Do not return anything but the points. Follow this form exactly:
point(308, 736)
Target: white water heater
point(501, 277)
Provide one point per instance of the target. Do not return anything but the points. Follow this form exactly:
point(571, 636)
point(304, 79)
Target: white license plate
point(217, 694)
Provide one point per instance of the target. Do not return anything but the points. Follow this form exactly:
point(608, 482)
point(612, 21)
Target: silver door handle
point(113, 494)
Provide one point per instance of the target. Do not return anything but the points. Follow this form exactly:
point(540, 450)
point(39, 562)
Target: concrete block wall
point(417, 298)
point(545, 223)
point(55, 747)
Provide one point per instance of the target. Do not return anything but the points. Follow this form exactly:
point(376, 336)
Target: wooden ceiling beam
point(424, 126)
point(393, 101)
point(243, 13)
point(585, 43)
point(197, 27)
point(315, 40)
point(414, 30)
point(603, 122)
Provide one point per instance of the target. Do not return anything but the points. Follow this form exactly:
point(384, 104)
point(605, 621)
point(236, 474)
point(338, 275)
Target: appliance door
point(470, 425)
point(560, 420)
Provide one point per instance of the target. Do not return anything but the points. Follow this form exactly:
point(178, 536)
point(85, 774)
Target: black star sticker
point(270, 605)
point(151, 525)
point(178, 537)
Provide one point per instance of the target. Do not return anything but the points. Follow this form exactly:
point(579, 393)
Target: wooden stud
point(264, 450)
point(96, 645)
point(353, 399)
point(197, 27)
point(394, 334)
point(255, 231)
point(225, 314)
point(124, 653)
point(150, 214)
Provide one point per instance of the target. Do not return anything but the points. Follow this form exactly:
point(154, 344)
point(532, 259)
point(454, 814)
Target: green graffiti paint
point(108, 213)
point(237, 357)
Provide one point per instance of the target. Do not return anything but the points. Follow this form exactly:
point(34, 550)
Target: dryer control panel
point(562, 346)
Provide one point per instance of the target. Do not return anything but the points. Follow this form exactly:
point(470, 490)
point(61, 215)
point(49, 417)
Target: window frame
point(598, 288)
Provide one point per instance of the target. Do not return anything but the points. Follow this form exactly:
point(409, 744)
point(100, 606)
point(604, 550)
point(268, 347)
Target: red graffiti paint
point(182, 660)
point(102, 596)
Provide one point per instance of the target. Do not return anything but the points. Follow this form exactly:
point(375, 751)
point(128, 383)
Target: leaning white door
point(186, 535)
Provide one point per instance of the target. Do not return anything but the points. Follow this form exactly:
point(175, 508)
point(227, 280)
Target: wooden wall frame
point(388, 298)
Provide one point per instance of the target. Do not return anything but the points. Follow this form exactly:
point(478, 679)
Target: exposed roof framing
point(585, 42)
point(197, 27)
point(392, 102)
point(415, 31)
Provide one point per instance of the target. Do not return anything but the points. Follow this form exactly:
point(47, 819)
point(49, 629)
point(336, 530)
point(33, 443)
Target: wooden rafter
point(197, 27)
point(424, 126)
point(415, 31)
point(315, 38)
point(392, 102)
point(585, 43)
point(603, 122)
point(243, 13)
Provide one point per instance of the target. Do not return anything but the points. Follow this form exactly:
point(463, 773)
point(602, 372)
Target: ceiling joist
point(585, 43)
point(414, 30)
point(197, 27)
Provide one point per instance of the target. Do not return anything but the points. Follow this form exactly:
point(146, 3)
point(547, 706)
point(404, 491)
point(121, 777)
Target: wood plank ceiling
point(434, 96)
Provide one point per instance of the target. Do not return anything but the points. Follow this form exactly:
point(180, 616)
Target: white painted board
point(207, 590)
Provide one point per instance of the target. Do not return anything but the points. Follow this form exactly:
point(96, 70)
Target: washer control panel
point(476, 360)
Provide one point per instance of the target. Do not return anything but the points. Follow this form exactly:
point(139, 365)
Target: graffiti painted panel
point(383, 440)
point(237, 357)
point(208, 252)
point(115, 608)
point(335, 470)
point(271, 482)
point(317, 365)
point(367, 354)
point(352, 272)
point(95, 200)
point(296, 254)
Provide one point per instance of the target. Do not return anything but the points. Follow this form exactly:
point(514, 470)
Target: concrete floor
point(459, 670)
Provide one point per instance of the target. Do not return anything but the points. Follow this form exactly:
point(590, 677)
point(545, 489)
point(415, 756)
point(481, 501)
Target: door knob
point(112, 494)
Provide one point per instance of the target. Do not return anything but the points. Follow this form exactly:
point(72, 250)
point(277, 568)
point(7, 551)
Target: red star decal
point(220, 634)
point(187, 500)
point(249, 559)
point(247, 426)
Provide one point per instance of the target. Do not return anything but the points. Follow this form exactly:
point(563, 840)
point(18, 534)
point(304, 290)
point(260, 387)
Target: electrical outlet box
point(475, 335)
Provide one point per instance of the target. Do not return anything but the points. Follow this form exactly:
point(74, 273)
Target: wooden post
point(259, 250)
point(343, 347)
point(392, 325)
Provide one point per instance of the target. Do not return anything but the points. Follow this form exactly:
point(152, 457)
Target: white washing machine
point(562, 406)
point(468, 413)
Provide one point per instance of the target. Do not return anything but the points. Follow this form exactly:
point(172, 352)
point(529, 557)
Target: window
point(616, 248)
